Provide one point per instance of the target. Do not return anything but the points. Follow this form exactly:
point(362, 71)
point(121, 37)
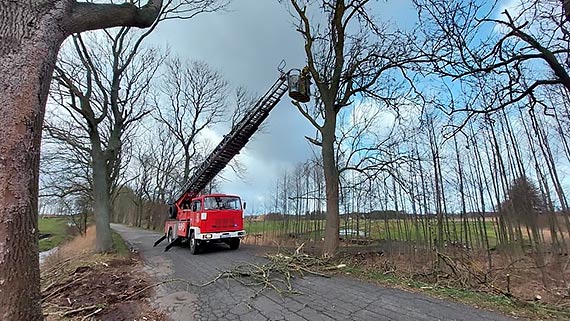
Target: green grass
point(119, 245)
point(400, 230)
point(59, 230)
point(254, 227)
point(420, 230)
point(483, 300)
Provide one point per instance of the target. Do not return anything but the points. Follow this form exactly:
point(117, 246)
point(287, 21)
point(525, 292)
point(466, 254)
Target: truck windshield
point(222, 203)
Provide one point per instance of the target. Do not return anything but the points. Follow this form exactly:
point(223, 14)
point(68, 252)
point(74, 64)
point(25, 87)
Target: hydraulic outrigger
point(185, 225)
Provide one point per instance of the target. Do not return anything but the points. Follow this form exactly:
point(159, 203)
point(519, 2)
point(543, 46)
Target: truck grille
point(223, 223)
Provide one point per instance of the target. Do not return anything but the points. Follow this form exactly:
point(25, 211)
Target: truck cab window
point(196, 206)
point(222, 203)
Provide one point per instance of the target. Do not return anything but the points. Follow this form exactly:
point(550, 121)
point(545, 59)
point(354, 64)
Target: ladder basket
point(299, 83)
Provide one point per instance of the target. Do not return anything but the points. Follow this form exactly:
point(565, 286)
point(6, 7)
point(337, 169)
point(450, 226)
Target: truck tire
point(169, 236)
point(234, 243)
point(172, 211)
point(194, 247)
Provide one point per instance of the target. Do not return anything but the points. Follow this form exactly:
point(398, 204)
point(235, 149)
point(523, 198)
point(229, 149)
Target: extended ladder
point(233, 142)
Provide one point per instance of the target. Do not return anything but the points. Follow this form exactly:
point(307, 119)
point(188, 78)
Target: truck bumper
point(220, 236)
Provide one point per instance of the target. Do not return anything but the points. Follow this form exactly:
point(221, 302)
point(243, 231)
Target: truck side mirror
point(244, 205)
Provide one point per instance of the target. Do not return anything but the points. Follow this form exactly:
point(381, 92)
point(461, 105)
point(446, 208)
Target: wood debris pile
point(279, 271)
point(99, 287)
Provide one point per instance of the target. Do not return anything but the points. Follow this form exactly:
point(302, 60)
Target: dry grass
point(79, 247)
point(79, 284)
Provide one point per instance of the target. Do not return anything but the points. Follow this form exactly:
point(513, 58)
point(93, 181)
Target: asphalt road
point(335, 298)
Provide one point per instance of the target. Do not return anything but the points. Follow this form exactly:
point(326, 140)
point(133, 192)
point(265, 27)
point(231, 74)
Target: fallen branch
point(278, 272)
point(92, 314)
point(47, 288)
point(68, 313)
point(466, 273)
point(56, 291)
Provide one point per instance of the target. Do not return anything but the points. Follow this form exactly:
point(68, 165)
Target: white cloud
point(369, 110)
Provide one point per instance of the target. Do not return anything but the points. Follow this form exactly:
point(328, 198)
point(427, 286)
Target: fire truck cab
point(206, 219)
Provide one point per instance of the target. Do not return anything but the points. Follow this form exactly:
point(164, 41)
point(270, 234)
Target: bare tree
point(160, 158)
point(65, 168)
point(508, 59)
point(154, 175)
point(66, 173)
point(244, 102)
point(348, 56)
point(195, 99)
point(31, 33)
point(103, 84)
point(116, 72)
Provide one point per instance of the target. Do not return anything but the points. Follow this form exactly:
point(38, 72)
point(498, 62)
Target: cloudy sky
point(247, 43)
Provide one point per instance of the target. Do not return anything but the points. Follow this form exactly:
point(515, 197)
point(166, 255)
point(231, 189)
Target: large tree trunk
point(332, 188)
point(101, 201)
point(31, 33)
point(29, 43)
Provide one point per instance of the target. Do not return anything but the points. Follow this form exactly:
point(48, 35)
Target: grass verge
point(119, 245)
point(487, 301)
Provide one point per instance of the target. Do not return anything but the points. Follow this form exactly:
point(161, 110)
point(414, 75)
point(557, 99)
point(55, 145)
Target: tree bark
point(332, 189)
point(31, 33)
point(101, 201)
point(29, 42)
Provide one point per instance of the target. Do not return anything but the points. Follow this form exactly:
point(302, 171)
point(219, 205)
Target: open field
point(405, 230)
point(472, 258)
point(57, 231)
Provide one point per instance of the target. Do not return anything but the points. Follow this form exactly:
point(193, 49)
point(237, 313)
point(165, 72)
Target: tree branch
point(90, 16)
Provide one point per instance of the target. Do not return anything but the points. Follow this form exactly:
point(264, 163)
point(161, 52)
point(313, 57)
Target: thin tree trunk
point(464, 237)
point(438, 199)
point(480, 172)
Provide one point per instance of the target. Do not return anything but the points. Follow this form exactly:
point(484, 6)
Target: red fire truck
point(208, 218)
point(201, 219)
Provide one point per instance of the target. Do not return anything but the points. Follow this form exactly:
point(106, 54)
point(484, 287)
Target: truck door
point(196, 209)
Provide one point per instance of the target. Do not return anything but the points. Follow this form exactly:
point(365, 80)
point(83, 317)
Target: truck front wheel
point(170, 238)
point(194, 247)
point(234, 243)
